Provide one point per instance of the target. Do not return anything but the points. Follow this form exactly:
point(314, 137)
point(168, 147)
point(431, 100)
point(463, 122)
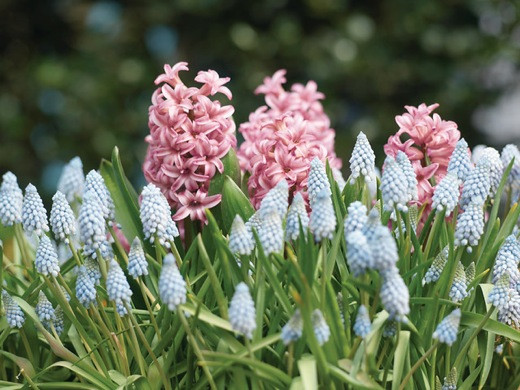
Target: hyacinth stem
point(447, 361)
point(394, 347)
point(418, 364)
point(321, 260)
point(20, 239)
point(434, 366)
point(28, 348)
point(29, 380)
point(439, 218)
point(136, 349)
point(382, 353)
point(119, 338)
point(105, 330)
point(146, 300)
point(290, 359)
point(118, 243)
point(74, 252)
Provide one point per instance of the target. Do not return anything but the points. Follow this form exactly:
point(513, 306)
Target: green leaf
point(233, 202)
point(93, 379)
point(231, 170)
point(21, 362)
point(400, 357)
point(360, 381)
point(308, 372)
point(473, 320)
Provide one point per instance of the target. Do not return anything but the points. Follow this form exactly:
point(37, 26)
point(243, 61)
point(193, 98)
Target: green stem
point(417, 365)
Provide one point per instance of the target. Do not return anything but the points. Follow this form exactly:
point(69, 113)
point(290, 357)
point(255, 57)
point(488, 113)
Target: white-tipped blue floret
point(507, 259)
point(509, 153)
point(92, 269)
point(94, 182)
point(11, 200)
point(383, 248)
point(297, 214)
point(499, 349)
point(477, 184)
point(293, 329)
point(321, 329)
point(446, 331)
point(394, 186)
point(271, 233)
point(409, 173)
point(510, 313)
point(496, 168)
point(394, 295)
point(34, 215)
point(450, 382)
point(460, 163)
point(356, 217)
point(372, 223)
point(13, 313)
point(72, 179)
point(118, 288)
point(85, 288)
point(317, 180)
point(46, 260)
point(241, 239)
point(121, 308)
point(362, 324)
point(470, 225)
point(156, 216)
point(340, 180)
point(323, 218)
point(434, 272)
point(62, 219)
point(276, 199)
point(254, 222)
point(172, 287)
point(92, 230)
point(242, 313)
point(359, 255)
point(137, 264)
point(362, 161)
point(499, 294)
point(446, 194)
point(44, 309)
point(459, 287)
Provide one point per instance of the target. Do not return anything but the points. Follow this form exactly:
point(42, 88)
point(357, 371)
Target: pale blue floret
point(499, 294)
point(496, 168)
point(46, 260)
point(372, 223)
point(271, 233)
point(13, 313)
point(458, 289)
point(92, 270)
point(255, 222)
point(394, 186)
point(362, 161)
point(507, 259)
point(510, 313)
point(446, 331)
point(383, 248)
point(121, 308)
point(409, 173)
point(317, 180)
point(513, 180)
point(276, 199)
point(434, 272)
point(118, 289)
point(94, 182)
point(470, 225)
point(72, 180)
point(172, 287)
point(499, 349)
point(156, 216)
point(241, 239)
point(91, 223)
point(321, 329)
point(362, 324)
point(62, 219)
point(11, 200)
point(137, 264)
point(446, 194)
point(356, 217)
point(359, 255)
point(44, 309)
point(34, 215)
point(460, 163)
point(242, 313)
point(293, 329)
point(323, 218)
point(85, 288)
point(297, 214)
point(477, 184)
point(394, 295)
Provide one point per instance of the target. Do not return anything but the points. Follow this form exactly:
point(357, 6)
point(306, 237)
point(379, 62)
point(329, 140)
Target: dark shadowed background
point(76, 76)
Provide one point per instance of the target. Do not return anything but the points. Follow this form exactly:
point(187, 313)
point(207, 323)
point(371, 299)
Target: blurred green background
point(77, 76)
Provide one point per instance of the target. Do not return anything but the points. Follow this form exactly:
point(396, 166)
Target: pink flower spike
point(195, 205)
point(272, 85)
point(171, 74)
point(213, 83)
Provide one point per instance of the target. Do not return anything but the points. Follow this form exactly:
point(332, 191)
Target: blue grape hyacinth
point(118, 289)
point(321, 329)
point(458, 289)
point(91, 223)
point(44, 309)
point(446, 331)
point(34, 215)
point(317, 180)
point(95, 183)
point(496, 168)
point(383, 248)
point(241, 239)
point(293, 329)
point(359, 254)
point(499, 294)
point(155, 215)
point(409, 173)
point(477, 184)
point(46, 260)
point(172, 287)
point(362, 325)
point(62, 219)
point(395, 296)
point(13, 313)
point(394, 186)
point(323, 218)
point(470, 225)
point(11, 200)
point(356, 217)
point(450, 382)
point(460, 163)
point(297, 214)
point(242, 313)
point(362, 161)
point(72, 180)
point(507, 258)
point(276, 199)
point(434, 272)
point(271, 233)
point(85, 288)
point(137, 264)
point(446, 194)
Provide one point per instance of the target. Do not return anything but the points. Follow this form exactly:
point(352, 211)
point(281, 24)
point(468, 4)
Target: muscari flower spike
point(276, 199)
point(34, 215)
point(394, 295)
point(383, 248)
point(446, 331)
point(241, 239)
point(390, 329)
point(172, 287)
point(321, 329)
point(293, 329)
point(94, 182)
point(242, 314)
point(11, 200)
point(409, 173)
point(458, 290)
point(356, 217)
point(46, 260)
point(254, 222)
point(470, 225)
point(372, 223)
point(317, 180)
point(13, 313)
point(510, 313)
point(137, 264)
point(460, 163)
point(509, 153)
point(85, 288)
point(394, 186)
point(450, 383)
point(62, 219)
point(499, 294)
point(362, 161)
point(359, 255)
point(477, 184)
point(323, 218)
point(59, 320)
point(470, 272)
point(362, 324)
point(297, 214)
point(156, 216)
point(271, 233)
point(44, 309)
point(446, 194)
point(92, 269)
point(91, 223)
point(496, 168)
point(507, 258)
point(118, 289)
point(72, 180)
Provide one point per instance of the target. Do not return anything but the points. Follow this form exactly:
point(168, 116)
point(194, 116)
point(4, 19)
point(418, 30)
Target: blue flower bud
point(460, 163)
point(271, 233)
point(496, 168)
point(477, 184)
point(118, 288)
point(394, 295)
point(434, 272)
point(450, 383)
point(85, 288)
point(137, 264)
point(321, 329)
point(446, 331)
point(356, 217)
point(362, 161)
point(317, 180)
point(507, 258)
point(92, 230)
point(470, 225)
point(72, 180)
point(240, 238)
point(499, 294)
point(34, 215)
point(11, 200)
point(409, 173)
point(156, 216)
point(44, 309)
point(394, 186)
point(323, 218)
point(172, 287)
point(46, 260)
point(362, 324)
point(446, 194)
point(359, 255)
point(293, 329)
point(94, 182)
point(277, 198)
point(14, 314)
point(458, 289)
point(63, 221)
point(242, 313)
point(297, 214)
